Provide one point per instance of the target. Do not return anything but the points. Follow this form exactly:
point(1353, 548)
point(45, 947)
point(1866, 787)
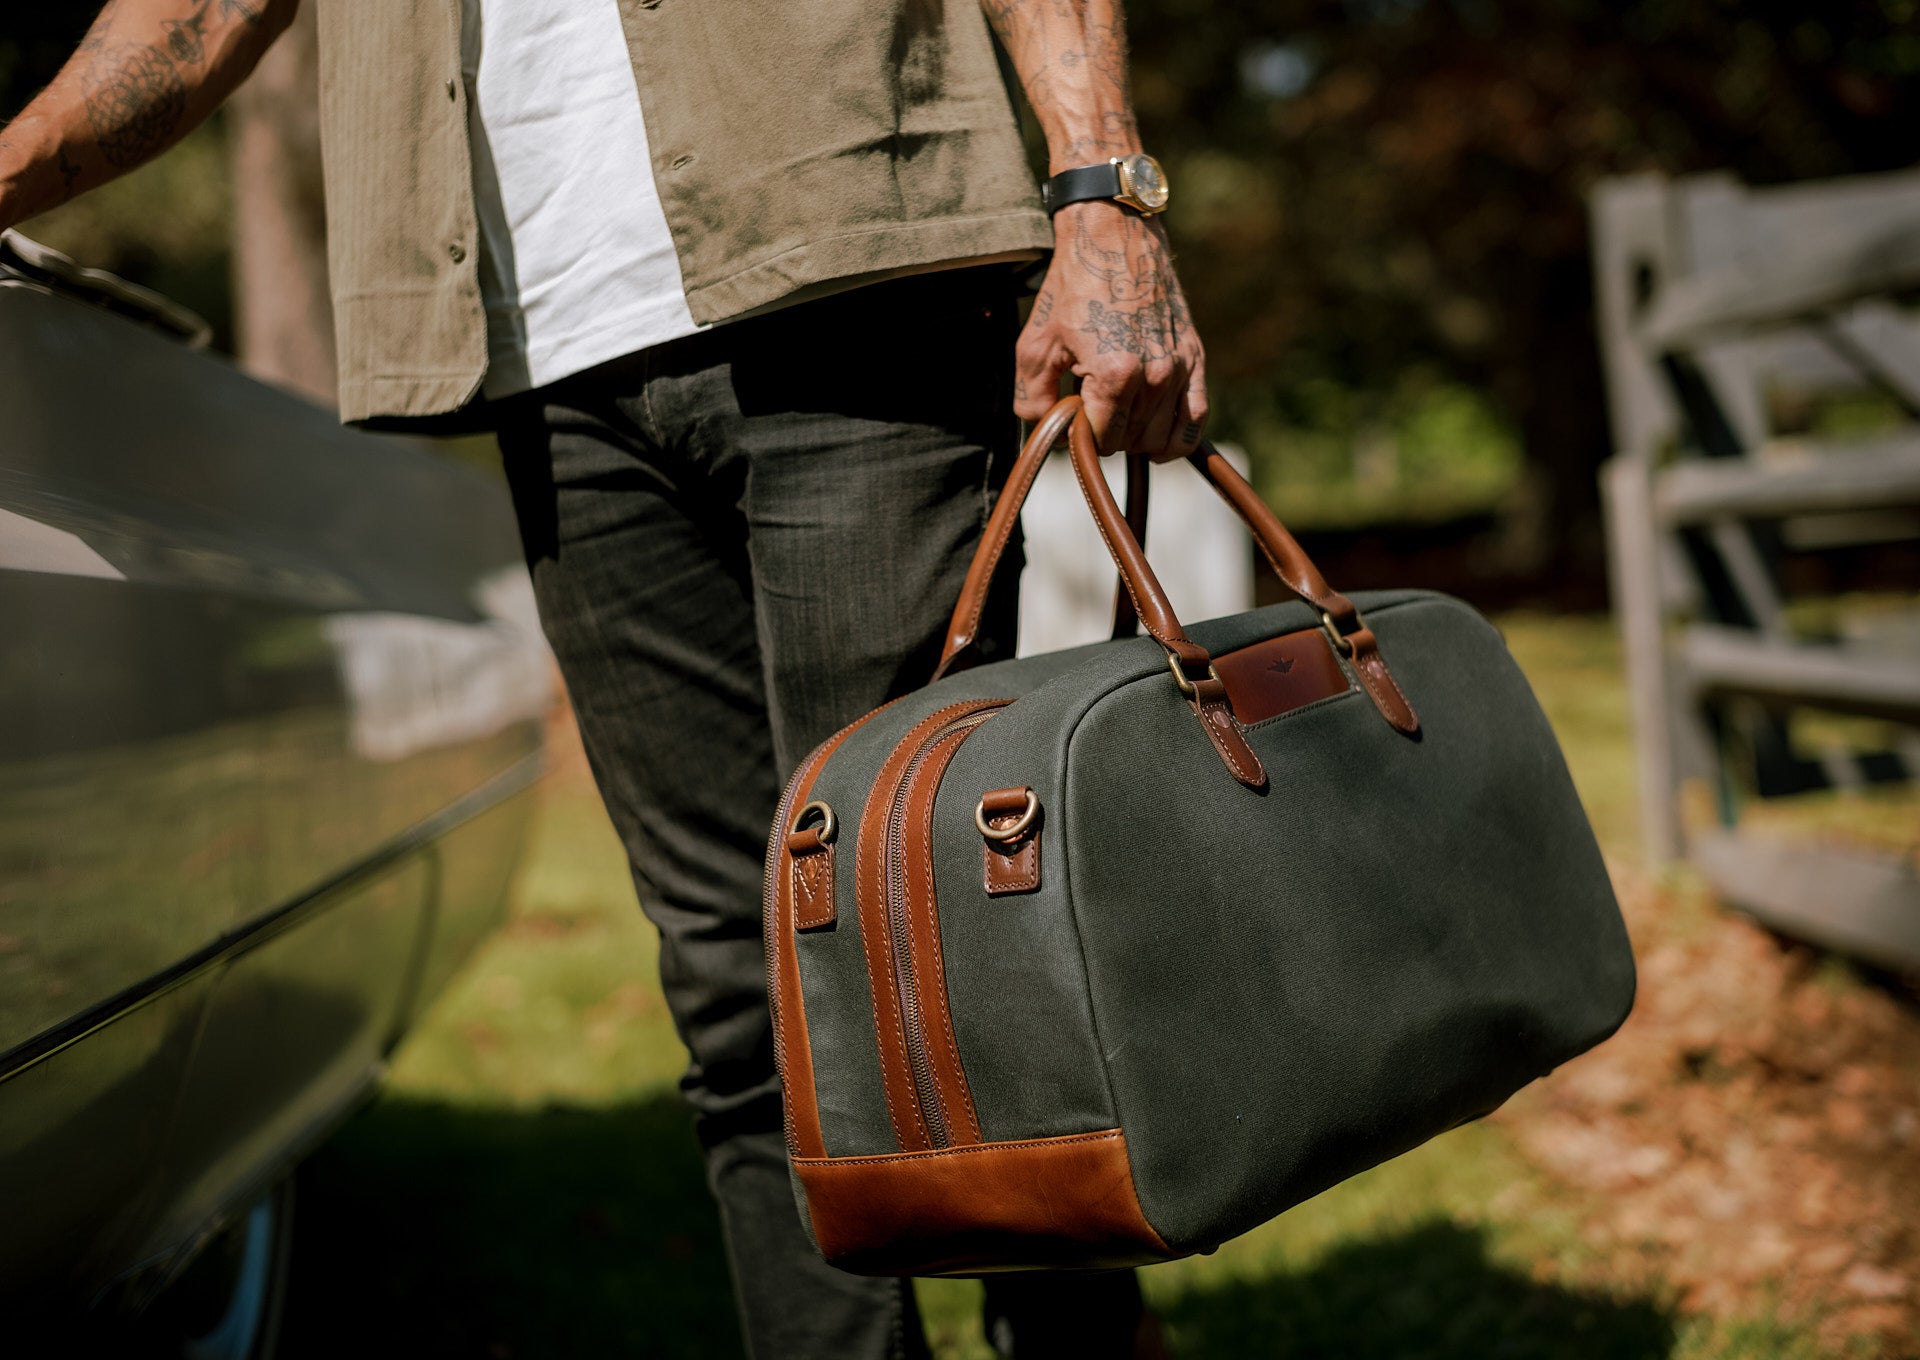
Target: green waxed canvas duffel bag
point(1105, 956)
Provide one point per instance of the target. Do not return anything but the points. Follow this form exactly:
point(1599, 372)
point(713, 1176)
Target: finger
point(1186, 434)
point(1158, 415)
point(1109, 409)
point(1197, 407)
point(1039, 362)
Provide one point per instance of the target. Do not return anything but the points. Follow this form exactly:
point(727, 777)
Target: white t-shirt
point(577, 265)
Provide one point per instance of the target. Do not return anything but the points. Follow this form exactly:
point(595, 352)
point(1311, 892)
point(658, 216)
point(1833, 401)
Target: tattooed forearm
point(136, 103)
point(146, 73)
point(186, 38)
point(1072, 59)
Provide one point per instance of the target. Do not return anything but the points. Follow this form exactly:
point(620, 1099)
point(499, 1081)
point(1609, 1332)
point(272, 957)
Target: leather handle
point(963, 630)
point(1344, 626)
point(1126, 623)
point(1148, 597)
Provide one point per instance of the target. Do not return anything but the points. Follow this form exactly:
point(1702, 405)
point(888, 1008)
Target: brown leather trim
point(1149, 598)
point(1371, 667)
point(870, 894)
point(791, 1054)
point(965, 624)
point(964, 627)
point(1297, 572)
point(1280, 675)
point(1010, 866)
point(1126, 623)
point(929, 963)
point(812, 858)
point(1046, 1202)
point(1289, 560)
point(1018, 872)
point(1210, 702)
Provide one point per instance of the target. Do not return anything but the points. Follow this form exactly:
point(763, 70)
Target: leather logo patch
point(1280, 675)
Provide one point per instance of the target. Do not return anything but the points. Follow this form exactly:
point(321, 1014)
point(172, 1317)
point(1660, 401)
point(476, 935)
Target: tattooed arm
point(146, 74)
point(1111, 309)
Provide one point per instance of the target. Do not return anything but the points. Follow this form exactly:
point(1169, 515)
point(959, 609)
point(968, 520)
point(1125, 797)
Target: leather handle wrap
point(963, 630)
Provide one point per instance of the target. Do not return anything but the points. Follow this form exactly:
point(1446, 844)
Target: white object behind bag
point(1199, 549)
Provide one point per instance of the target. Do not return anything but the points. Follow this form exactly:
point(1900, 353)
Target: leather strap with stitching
point(963, 631)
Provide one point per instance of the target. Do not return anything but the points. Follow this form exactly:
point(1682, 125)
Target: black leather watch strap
point(1079, 185)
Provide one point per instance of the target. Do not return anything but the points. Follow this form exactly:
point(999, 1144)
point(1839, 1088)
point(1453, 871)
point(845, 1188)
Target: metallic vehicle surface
point(271, 698)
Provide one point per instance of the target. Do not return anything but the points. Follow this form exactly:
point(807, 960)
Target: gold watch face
point(1143, 183)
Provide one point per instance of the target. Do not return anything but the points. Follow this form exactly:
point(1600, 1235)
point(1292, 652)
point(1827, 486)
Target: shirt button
point(682, 162)
point(456, 252)
point(452, 90)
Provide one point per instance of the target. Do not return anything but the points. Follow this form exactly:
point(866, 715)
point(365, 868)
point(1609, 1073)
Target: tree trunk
point(283, 318)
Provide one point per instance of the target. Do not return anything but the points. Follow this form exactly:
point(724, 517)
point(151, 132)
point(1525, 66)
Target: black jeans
point(740, 542)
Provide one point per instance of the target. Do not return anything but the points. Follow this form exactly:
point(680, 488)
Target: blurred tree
point(283, 318)
point(1373, 194)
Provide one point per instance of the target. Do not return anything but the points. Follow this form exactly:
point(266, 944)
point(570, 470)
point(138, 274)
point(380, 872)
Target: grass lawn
point(528, 1185)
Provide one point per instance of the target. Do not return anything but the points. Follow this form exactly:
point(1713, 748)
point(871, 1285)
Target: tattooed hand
point(1112, 313)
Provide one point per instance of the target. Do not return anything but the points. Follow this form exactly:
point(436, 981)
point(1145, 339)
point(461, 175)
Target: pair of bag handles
point(1143, 596)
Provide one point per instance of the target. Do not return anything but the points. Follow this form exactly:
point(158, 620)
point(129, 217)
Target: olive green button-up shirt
point(798, 146)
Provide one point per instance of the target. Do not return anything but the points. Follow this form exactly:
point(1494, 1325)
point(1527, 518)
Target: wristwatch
point(1136, 180)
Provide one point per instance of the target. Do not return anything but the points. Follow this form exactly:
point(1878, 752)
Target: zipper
point(900, 931)
point(775, 940)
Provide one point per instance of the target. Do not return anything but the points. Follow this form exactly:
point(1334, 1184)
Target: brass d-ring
point(829, 824)
point(1341, 643)
point(1180, 677)
point(1007, 833)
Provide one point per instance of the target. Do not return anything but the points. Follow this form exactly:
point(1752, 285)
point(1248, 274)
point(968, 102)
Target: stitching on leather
point(1034, 880)
point(783, 943)
point(810, 873)
point(1386, 677)
point(881, 1033)
point(1021, 489)
point(878, 1158)
point(1008, 885)
point(1100, 524)
point(1220, 742)
point(939, 960)
point(1373, 670)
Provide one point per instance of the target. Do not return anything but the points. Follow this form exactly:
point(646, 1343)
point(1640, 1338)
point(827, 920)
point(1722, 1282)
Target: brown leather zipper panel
point(792, 1057)
point(899, 973)
point(914, 846)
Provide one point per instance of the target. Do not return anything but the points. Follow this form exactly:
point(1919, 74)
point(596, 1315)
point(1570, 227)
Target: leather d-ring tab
point(1009, 824)
point(811, 850)
point(1215, 710)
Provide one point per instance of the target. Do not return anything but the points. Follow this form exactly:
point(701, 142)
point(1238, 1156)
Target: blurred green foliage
point(1380, 209)
point(1387, 198)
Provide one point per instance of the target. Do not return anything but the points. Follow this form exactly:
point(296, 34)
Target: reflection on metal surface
point(417, 683)
point(28, 545)
point(271, 694)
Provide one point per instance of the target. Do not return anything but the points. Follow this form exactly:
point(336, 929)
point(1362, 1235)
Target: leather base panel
point(1045, 1203)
